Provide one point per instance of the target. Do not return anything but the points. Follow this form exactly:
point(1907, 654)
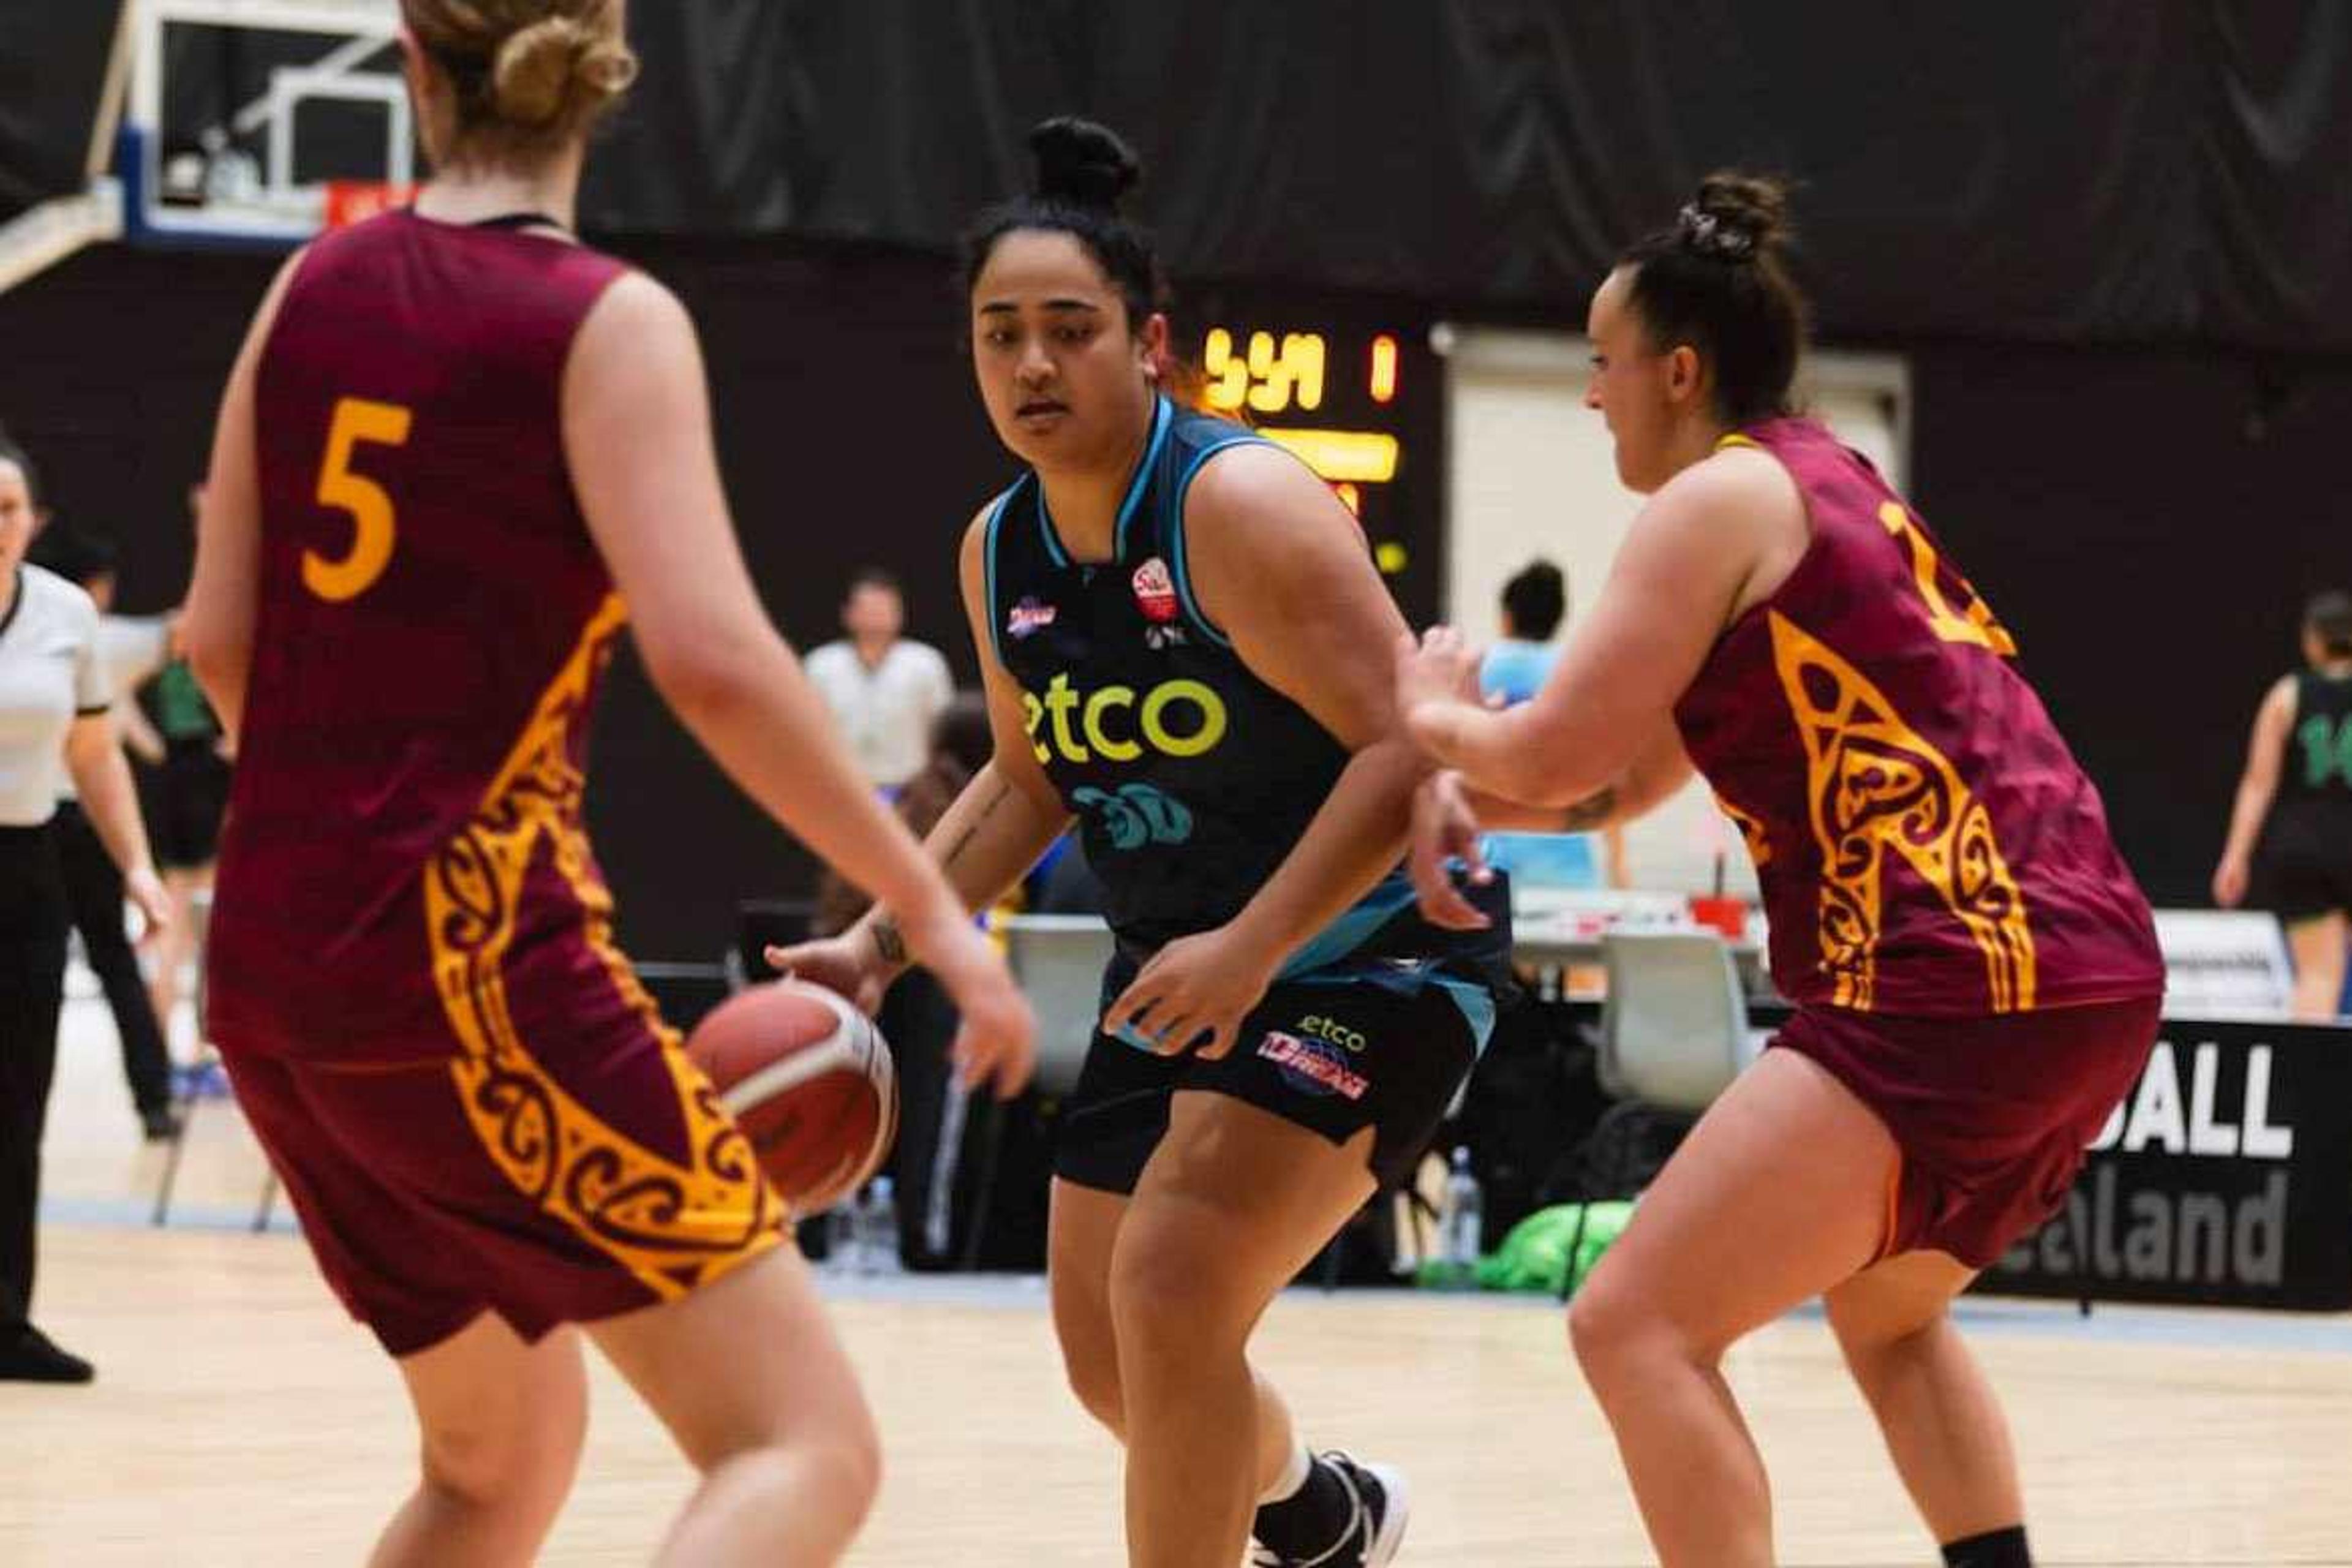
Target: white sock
point(1294, 1476)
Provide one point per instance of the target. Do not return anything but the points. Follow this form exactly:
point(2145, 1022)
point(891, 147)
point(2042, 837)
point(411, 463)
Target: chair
point(1673, 1028)
point(1058, 962)
point(1674, 1036)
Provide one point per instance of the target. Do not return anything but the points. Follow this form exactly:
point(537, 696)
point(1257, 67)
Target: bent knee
point(842, 1460)
point(1614, 1329)
point(1175, 1301)
point(846, 1464)
point(511, 1463)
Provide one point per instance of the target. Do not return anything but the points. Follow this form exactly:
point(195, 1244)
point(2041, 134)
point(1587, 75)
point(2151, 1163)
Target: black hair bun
point(1736, 217)
point(1083, 164)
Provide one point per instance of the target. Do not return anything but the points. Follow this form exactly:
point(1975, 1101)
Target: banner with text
point(2224, 1179)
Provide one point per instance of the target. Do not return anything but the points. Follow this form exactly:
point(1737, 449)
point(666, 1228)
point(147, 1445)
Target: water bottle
point(841, 1236)
point(876, 1246)
point(1461, 1219)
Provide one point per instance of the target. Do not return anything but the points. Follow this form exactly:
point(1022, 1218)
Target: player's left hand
point(1195, 993)
point(1434, 676)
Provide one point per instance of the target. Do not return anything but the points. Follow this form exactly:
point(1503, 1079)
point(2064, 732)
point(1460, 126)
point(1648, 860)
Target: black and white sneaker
point(1378, 1509)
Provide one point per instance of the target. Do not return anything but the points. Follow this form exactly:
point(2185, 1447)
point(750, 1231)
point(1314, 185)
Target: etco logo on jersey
point(1316, 1027)
point(1116, 725)
point(1313, 1067)
point(1155, 592)
point(1029, 616)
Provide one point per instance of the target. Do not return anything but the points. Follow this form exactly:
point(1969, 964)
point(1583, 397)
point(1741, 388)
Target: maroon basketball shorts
point(562, 1177)
point(1992, 1114)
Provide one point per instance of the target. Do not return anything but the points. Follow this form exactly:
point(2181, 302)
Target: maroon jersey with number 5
point(432, 624)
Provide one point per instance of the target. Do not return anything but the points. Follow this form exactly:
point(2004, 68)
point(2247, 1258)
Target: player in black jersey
point(1185, 645)
point(2291, 834)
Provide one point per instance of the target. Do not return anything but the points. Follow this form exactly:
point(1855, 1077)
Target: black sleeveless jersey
point(1191, 777)
point(2318, 766)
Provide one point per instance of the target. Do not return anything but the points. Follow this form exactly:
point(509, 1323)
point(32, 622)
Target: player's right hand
point(2230, 880)
point(845, 965)
point(1444, 830)
point(997, 1042)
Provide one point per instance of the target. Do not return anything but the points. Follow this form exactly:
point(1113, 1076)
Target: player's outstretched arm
point(1684, 569)
point(637, 423)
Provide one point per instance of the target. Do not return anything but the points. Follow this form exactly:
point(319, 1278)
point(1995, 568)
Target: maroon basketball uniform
point(1943, 891)
point(412, 976)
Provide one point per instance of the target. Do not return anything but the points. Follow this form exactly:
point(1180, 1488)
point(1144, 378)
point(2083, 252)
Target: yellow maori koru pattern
point(1875, 785)
point(674, 1225)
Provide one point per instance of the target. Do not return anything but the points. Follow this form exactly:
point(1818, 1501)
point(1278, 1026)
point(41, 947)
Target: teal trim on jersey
point(1474, 1002)
point(1176, 566)
point(1046, 530)
point(988, 567)
point(1343, 936)
point(1326, 960)
point(1162, 417)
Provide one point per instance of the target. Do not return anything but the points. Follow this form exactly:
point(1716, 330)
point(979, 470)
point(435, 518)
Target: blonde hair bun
point(556, 65)
point(529, 72)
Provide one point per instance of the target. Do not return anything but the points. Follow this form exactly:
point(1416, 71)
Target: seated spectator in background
point(958, 746)
point(131, 649)
point(1534, 605)
point(886, 690)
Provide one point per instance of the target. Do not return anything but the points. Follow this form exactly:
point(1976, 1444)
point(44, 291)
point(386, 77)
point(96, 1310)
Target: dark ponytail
point(1084, 174)
point(1718, 280)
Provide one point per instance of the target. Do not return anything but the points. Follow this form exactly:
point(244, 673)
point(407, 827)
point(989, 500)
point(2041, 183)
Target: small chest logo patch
point(1155, 592)
point(1029, 616)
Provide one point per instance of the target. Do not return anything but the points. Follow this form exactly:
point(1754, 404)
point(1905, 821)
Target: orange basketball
point(809, 1080)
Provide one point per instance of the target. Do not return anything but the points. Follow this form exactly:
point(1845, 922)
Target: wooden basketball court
point(239, 1419)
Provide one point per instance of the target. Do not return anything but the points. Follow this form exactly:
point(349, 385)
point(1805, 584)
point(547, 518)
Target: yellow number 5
point(356, 420)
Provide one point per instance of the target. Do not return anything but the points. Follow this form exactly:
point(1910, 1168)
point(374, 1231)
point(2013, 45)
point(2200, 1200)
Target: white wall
point(1530, 473)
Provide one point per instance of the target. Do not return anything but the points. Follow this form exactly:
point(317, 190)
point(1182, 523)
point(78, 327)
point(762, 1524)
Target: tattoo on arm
point(889, 941)
point(1592, 812)
point(971, 829)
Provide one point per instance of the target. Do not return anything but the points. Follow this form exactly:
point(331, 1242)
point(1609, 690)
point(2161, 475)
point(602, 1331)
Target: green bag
point(1534, 1257)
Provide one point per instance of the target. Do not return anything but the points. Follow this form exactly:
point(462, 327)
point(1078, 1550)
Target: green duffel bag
point(1534, 1257)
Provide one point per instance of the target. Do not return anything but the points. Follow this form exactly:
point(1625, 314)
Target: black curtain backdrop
point(2146, 522)
point(53, 59)
point(2110, 170)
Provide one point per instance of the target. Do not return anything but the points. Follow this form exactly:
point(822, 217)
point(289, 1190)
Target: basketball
point(809, 1080)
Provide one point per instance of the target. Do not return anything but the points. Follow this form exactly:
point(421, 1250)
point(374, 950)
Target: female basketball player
point(451, 435)
point(2296, 797)
point(1976, 974)
point(1180, 628)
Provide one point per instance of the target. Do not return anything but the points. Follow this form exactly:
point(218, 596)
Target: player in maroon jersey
point(1976, 974)
point(458, 453)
